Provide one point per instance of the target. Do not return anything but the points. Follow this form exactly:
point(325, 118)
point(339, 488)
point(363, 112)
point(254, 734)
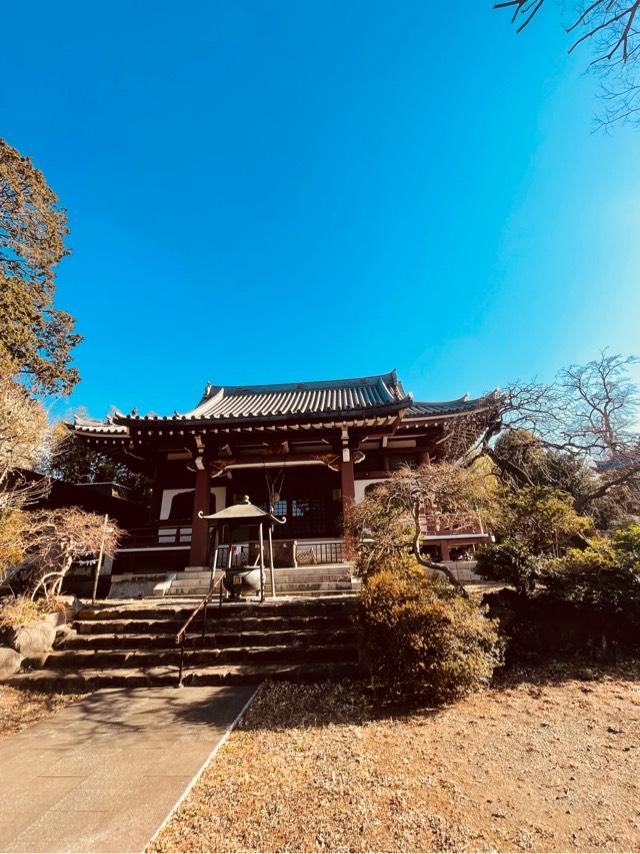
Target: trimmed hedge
point(421, 640)
point(546, 626)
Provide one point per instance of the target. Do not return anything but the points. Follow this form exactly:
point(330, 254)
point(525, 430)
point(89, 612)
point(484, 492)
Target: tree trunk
point(431, 564)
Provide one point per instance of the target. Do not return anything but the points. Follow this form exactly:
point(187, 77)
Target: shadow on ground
point(277, 707)
point(112, 712)
point(566, 670)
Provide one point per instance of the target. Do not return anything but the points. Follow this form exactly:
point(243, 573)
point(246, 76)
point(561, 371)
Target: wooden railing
point(304, 554)
point(313, 554)
point(168, 535)
point(157, 535)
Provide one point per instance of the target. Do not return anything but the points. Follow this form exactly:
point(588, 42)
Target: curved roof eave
point(326, 399)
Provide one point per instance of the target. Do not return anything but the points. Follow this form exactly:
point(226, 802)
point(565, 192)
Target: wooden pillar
point(272, 571)
point(261, 536)
point(444, 550)
point(347, 482)
point(156, 496)
point(200, 527)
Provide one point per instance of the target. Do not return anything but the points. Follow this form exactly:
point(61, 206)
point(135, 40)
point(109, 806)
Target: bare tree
point(55, 539)
point(611, 26)
point(588, 416)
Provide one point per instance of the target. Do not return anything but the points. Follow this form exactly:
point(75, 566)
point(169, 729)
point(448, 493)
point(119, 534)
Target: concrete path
point(104, 773)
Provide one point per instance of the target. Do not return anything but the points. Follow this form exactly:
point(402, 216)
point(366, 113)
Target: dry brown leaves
point(548, 761)
point(20, 708)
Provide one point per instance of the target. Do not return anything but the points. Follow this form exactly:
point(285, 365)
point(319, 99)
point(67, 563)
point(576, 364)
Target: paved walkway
point(104, 773)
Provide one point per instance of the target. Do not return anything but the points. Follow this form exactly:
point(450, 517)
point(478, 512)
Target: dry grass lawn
point(20, 708)
point(550, 761)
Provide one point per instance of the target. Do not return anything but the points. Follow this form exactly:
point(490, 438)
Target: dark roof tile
point(327, 397)
point(427, 409)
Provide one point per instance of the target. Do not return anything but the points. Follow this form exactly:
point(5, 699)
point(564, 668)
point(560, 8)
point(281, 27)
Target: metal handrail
point(182, 633)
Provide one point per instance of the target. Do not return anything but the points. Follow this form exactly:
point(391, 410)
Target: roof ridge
point(305, 385)
point(462, 399)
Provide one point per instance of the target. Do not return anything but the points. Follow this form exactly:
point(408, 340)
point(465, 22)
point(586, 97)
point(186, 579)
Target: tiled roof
point(380, 395)
point(291, 400)
point(422, 409)
point(94, 425)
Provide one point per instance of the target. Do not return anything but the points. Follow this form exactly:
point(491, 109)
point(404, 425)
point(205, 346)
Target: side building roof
point(419, 410)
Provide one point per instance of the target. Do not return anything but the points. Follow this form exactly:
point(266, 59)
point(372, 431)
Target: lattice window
point(308, 516)
point(280, 507)
point(299, 507)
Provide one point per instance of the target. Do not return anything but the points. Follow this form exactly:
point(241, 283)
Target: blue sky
point(263, 192)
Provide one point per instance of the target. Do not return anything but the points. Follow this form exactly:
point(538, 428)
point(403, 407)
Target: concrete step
point(183, 590)
point(133, 643)
point(300, 653)
point(312, 586)
point(315, 594)
point(321, 572)
point(217, 638)
point(300, 575)
point(282, 586)
point(90, 680)
point(294, 575)
point(150, 610)
point(216, 622)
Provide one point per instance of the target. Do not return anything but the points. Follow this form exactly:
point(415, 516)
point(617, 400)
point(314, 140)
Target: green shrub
point(601, 576)
point(626, 542)
point(541, 517)
point(422, 640)
point(586, 602)
point(511, 562)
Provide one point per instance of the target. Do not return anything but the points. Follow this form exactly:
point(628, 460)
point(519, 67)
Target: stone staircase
point(300, 581)
point(133, 644)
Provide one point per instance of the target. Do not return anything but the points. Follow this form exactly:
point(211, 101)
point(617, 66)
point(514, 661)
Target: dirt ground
point(549, 761)
point(20, 708)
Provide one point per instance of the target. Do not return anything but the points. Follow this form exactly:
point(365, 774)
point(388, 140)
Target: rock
point(71, 605)
point(34, 640)
point(63, 634)
point(10, 662)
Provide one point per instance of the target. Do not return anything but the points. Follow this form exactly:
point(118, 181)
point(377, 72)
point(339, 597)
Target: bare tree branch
point(611, 26)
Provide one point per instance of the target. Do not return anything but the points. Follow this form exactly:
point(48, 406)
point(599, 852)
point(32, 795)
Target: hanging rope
point(273, 487)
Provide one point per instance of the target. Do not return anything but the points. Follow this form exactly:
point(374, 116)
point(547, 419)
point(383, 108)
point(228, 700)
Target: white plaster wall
point(361, 485)
point(220, 493)
point(168, 495)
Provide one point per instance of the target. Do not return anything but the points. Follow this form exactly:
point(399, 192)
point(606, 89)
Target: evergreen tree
point(36, 338)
